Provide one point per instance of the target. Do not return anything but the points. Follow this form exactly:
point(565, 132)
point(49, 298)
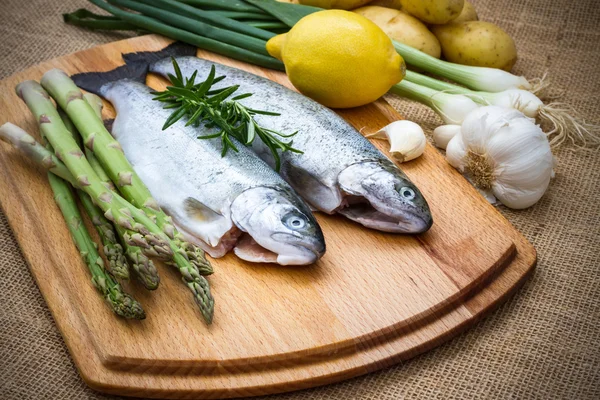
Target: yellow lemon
point(338, 58)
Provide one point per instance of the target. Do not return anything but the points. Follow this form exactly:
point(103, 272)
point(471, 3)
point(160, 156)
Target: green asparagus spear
point(120, 302)
point(25, 143)
point(110, 244)
point(112, 248)
point(140, 229)
point(88, 154)
point(185, 257)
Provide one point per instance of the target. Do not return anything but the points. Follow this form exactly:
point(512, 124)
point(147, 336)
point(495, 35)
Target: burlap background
point(543, 343)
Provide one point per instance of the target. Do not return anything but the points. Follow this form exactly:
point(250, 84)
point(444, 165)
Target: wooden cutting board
point(374, 299)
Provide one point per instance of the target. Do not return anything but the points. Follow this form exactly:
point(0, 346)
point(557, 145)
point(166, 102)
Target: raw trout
point(236, 201)
point(339, 172)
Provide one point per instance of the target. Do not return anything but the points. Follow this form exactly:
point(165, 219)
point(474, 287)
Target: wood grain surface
point(372, 300)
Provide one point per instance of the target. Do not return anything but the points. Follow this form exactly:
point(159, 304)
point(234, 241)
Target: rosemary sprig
point(202, 104)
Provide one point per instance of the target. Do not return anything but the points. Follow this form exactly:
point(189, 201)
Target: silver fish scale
point(176, 165)
point(330, 143)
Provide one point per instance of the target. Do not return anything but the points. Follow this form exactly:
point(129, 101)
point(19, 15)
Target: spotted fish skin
point(330, 146)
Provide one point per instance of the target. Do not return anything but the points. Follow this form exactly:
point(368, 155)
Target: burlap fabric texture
point(543, 343)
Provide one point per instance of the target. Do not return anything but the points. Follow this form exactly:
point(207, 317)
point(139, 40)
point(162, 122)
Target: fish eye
point(295, 222)
point(407, 193)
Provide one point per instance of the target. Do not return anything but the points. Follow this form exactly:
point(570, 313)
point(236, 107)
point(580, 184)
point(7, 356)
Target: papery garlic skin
point(444, 133)
point(407, 140)
point(505, 151)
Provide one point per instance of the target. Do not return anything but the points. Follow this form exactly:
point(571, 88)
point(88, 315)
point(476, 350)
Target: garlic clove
point(407, 139)
point(442, 135)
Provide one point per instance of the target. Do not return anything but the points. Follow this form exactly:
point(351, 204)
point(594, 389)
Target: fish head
point(381, 197)
point(280, 223)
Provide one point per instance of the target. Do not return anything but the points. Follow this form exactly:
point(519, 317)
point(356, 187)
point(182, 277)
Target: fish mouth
point(249, 249)
point(296, 250)
point(360, 210)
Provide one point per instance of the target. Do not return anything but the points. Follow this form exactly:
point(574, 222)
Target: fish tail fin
point(94, 81)
point(175, 49)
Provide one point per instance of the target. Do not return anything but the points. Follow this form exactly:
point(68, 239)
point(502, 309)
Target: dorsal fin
point(176, 49)
point(94, 81)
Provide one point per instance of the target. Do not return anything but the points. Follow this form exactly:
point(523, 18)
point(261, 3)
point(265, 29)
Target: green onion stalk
point(196, 26)
point(452, 108)
point(207, 42)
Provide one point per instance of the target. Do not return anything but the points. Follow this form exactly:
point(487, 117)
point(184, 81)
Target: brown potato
point(468, 13)
point(403, 28)
point(396, 4)
point(337, 4)
point(477, 43)
point(433, 11)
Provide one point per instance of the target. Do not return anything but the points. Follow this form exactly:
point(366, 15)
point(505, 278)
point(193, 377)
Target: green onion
point(478, 78)
point(236, 39)
point(267, 25)
point(234, 5)
point(287, 13)
point(241, 15)
point(87, 19)
point(209, 17)
point(215, 46)
point(452, 108)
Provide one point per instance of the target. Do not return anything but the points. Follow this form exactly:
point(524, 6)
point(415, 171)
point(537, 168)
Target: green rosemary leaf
point(189, 83)
point(251, 132)
point(172, 105)
point(175, 80)
point(176, 116)
point(216, 135)
point(223, 95)
point(181, 91)
point(261, 112)
point(205, 86)
point(241, 96)
point(177, 71)
point(195, 116)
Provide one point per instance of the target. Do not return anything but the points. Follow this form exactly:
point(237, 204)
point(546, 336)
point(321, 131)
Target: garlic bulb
point(407, 140)
point(504, 151)
point(442, 134)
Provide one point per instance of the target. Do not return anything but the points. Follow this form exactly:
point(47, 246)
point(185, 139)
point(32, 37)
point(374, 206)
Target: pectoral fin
point(201, 221)
point(318, 194)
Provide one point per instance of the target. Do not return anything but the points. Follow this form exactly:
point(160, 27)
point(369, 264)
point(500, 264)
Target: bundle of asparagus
point(120, 302)
point(114, 197)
